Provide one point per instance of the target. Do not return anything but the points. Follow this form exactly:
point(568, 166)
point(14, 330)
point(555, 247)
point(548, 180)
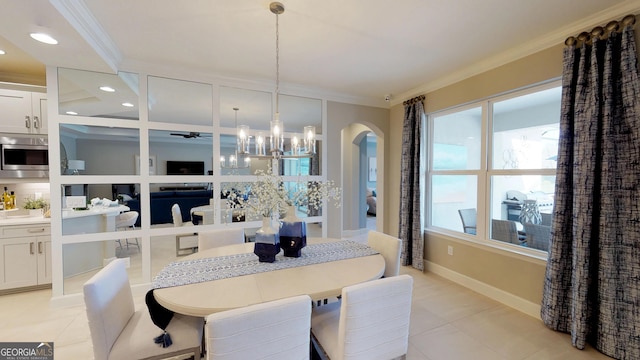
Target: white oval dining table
point(319, 281)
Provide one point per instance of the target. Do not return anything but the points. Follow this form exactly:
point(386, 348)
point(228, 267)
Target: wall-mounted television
point(185, 167)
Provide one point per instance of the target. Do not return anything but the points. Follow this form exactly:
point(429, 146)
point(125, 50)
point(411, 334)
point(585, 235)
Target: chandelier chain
point(277, 63)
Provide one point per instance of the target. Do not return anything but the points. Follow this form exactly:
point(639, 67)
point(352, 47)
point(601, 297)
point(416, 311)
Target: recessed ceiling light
point(107, 88)
point(71, 113)
point(44, 38)
point(127, 104)
point(2, 52)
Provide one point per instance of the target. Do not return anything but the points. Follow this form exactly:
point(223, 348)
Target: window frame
point(484, 174)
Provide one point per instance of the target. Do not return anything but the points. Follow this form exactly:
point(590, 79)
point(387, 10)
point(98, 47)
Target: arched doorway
point(362, 161)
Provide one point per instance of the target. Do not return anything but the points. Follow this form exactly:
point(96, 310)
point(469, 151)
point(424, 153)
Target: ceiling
point(363, 49)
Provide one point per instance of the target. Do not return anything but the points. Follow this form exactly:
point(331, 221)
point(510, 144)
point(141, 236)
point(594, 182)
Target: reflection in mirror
point(314, 229)
point(164, 250)
point(83, 260)
point(302, 210)
point(228, 213)
point(97, 208)
point(254, 108)
point(241, 107)
point(232, 164)
point(94, 94)
point(194, 204)
point(297, 112)
point(102, 150)
point(180, 153)
point(180, 102)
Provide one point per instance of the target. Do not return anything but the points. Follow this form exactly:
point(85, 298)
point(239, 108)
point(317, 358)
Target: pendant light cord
point(277, 65)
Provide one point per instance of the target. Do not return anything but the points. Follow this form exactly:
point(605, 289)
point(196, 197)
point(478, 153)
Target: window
point(491, 156)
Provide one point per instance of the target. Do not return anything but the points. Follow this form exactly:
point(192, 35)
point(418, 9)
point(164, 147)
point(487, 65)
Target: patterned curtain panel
point(411, 225)
point(592, 283)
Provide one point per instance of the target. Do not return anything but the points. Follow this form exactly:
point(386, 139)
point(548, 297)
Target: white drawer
point(21, 231)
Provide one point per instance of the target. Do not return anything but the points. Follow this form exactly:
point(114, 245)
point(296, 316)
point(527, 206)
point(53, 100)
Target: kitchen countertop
point(108, 211)
point(23, 220)
point(7, 218)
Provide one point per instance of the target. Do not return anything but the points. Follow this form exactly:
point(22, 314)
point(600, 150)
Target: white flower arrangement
point(312, 193)
point(269, 196)
point(264, 197)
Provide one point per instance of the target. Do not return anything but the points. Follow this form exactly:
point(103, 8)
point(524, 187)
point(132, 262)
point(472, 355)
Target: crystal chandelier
point(300, 147)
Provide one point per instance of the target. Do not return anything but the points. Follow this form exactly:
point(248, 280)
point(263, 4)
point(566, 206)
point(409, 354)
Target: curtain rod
point(414, 100)
point(599, 31)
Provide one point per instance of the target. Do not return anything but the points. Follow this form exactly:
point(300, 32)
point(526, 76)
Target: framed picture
point(152, 164)
point(373, 169)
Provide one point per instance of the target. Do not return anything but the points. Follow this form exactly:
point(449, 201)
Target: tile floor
point(447, 322)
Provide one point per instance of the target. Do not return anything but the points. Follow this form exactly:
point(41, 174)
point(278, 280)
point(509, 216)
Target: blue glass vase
point(293, 234)
point(267, 243)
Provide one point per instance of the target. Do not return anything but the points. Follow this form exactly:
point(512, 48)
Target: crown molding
point(81, 19)
point(551, 39)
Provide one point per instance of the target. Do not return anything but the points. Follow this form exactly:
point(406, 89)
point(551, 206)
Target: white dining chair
point(389, 247)
point(220, 237)
point(126, 221)
point(176, 215)
point(371, 322)
point(118, 331)
point(272, 330)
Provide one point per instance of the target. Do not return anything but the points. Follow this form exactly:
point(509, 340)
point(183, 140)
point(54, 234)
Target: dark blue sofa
point(162, 201)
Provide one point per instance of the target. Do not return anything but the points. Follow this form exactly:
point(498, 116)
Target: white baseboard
point(518, 303)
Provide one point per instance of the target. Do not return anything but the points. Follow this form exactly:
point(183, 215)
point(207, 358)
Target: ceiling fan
point(191, 135)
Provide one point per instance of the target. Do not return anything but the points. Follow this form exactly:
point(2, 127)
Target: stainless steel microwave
point(24, 156)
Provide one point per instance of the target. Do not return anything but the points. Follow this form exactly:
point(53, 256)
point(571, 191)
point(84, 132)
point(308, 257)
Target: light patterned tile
point(448, 322)
point(447, 342)
point(504, 330)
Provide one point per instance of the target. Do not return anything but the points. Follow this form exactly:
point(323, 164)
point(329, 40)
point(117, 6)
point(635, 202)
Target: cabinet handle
point(31, 248)
point(27, 122)
point(39, 247)
point(36, 122)
point(34, 230)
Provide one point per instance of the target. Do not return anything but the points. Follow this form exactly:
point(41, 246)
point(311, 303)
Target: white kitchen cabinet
point(23, 112)
point(25, 251)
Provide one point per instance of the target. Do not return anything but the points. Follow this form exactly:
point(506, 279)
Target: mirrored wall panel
point(164, 250)
point(297, 112)
point(177, 204)
point(247, 133)
point(254, 108)
point(314, 229)
point(97, 208)
point(180, 102)
point(94, 94)
point(231, 210)
point(98, 150)
point(180, 153)
point(83, 260)
point(233, 164)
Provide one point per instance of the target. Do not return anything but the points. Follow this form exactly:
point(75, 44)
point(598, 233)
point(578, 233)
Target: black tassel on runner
point(164, 340)
point(161, 317)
